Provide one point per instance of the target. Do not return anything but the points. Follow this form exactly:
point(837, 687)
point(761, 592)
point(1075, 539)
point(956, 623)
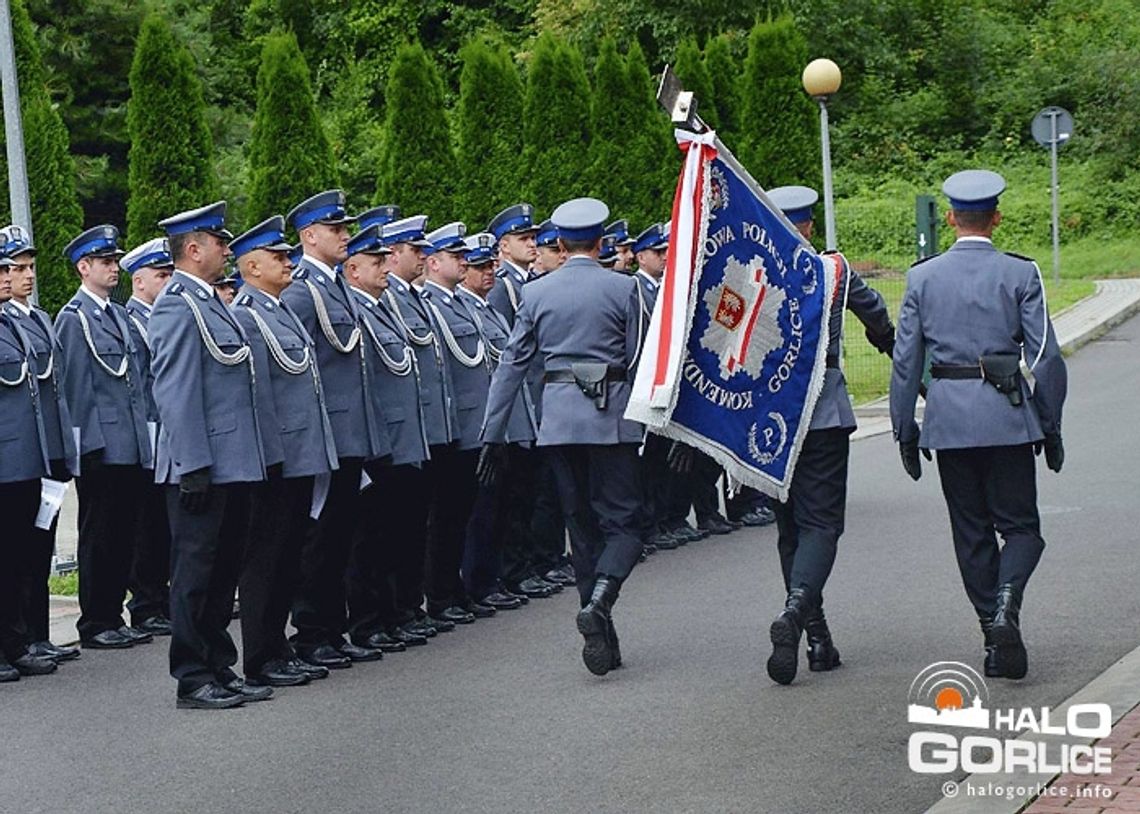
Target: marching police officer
point(209, 456)
point(24, 460)
point(104, 385)
point(582, 322)
point(980, 315)
point(298, 443)
point(811, 521)
point(16, 245)
point(150, 266)
point(319, 296)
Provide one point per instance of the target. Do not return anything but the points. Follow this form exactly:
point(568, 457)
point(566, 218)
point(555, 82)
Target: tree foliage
point(724, 73)
point(652, 159)
point(611, 126)
point(171, 152)
point(289, 154)
point(418, 173)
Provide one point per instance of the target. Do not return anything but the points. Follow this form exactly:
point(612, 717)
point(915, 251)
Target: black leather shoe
point(8, 672)
point(823, 655)
point(358, 653)
point(785, 634)
point(500, 601)
point(1012, 659)
point(478, 609)
point(277, 673)
point(758, 518)
point(559, 576)
point(665, 541)
point(454, 614)
point(532, 588)
point(107, 640)
point(615, 647)
point(155, 626)
point(688, 533)
point(210, 696)
point(715, 524)
point(595, 623)
point(56, 653)
point(383, 642)
point(29, 665)
point(554, 587)
point(438, 625)
point(522, 598)
point(648, 549)
point(990, 663)
point(136, 636)
point(407, 638)
point(419, 627)
point(325, 655)
point(248, 692)
point(313, 671)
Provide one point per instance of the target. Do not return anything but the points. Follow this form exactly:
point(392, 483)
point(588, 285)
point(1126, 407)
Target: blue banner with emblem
point(736, 351)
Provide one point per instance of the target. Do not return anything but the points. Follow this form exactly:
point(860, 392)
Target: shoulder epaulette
point(174, 289)
point(300, 273)
point(922, 260)
point(72, 306)
point(501, 272)
point(243, 299)
point(1020, 257)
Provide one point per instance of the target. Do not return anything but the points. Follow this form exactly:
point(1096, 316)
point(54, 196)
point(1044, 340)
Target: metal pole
point(828, 204)
point(13, 127)
point(1056, 208)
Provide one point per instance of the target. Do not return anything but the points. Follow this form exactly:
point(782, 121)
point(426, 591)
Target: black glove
point(194, 491)
point(1054, 451)
point(883, 343)
point(492, 462)
point(59, 470)
point(909, 452)
point(680, 458)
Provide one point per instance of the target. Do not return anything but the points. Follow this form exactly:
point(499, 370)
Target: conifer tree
point(694, 75)
point(418, 172)
point(724, 75)
point(652, 159)
point(556, 130)
point(611, 130)
point(490, 133)
point(289, 154)
point(785, 150)
point(56, 214)
point(171, 152)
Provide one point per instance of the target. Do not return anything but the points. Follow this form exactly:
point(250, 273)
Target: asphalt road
point(502, 716)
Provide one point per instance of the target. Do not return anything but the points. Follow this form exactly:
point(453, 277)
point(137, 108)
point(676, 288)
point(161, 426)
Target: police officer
point(514, 230)
point(582, 322)
point(227, 286)
point(373, 599)
point(548, 256)
point(320, 298)
point(209, 456)
point(981, 317)
point(103, 383)
point(811, 521)
point(16, 244)
point(622, 246)
point(298, 443)
point(149, 266)
point(24, 459)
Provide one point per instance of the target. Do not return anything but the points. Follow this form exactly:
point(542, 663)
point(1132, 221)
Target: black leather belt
point(956, 371)
point(613, 374)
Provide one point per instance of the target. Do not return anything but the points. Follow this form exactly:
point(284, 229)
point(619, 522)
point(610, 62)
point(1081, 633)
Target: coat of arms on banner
point(735, 354)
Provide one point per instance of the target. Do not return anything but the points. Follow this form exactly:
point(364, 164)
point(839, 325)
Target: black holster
point(592, 380)
point(1003, 371)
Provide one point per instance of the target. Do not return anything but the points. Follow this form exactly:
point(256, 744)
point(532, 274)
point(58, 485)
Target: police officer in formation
point(980, 316)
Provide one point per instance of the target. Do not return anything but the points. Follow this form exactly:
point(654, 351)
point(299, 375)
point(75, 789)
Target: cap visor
point(423, 244)
point(337, 221)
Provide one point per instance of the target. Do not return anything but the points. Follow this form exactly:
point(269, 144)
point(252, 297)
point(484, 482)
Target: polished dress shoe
point(325, 655)
point(29, 665)
point(500, 601)
point(823, 655)
point(438, 625)
point(107, 640)
point(665, 541)
point(715, 524)
point(478, 609)
point(533, 588)
point(615, 647)
point(555, 587)
point(277, 673)
point(990, 663)
point(155, 626)
point(522, 598)
point(46, 649)
point(559, 576)
point(407, 638)
point(135, 635)
point(758, 518)
point(1012, 659)
point(383, 642)
point(358, 653)
point(595, 623)
point(785, 633)
point(687, 532)
point(648, 549)
point(210, 696)
point(8, 672)
point(248, 692)
point(313, 671)
point(419, 627)
point(454, 614)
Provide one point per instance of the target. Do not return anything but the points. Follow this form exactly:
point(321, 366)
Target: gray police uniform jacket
point(406, 305)
point(328, 312)
point(581, 313)
point(833, 407)
point(295, 428)
point(48, 372)
point(506, 295)
point(103, 383)
point(395, 380)
point(205, 388)
point(646, 301)
point(522, 426)
point(970, 302)
point(23, 440)
point(138, 318)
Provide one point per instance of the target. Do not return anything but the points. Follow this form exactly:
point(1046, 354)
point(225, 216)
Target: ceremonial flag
point(736, 349)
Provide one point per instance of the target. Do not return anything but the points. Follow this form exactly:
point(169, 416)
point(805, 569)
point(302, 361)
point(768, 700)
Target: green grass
point(64, 584)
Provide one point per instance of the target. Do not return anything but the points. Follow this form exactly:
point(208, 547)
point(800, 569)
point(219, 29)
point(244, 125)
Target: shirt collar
point(26, 310)
point(478, 299)
point(202, 284)
point(144, 306)
point(102, 302)
point(399, 281)
point(652, 282)
point(434, 284)
point(974, 239)
point(364, 294)
point(321, 266)
point(518, 272)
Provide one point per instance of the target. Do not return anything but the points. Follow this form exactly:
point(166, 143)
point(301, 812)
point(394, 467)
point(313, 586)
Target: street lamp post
point(821, 79)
